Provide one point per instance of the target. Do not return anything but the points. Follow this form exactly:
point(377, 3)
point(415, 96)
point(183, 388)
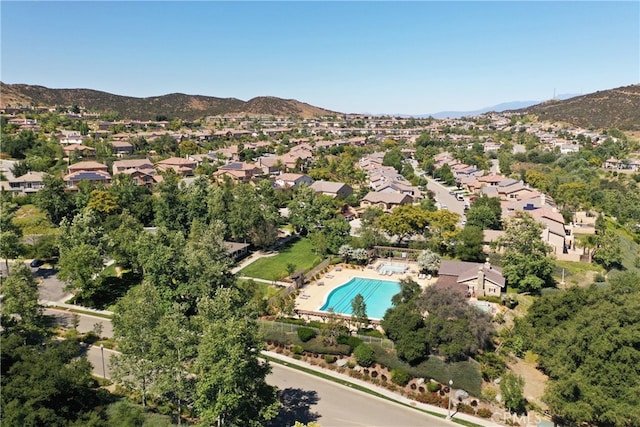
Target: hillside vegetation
point(618, 108)
point(172, 106)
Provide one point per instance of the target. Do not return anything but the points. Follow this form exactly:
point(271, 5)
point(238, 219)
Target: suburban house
point(510, 189)
point(236, 250)
point(385, 201)
point(333, 189)
point(94, 176)
point(292, 180)
point(122, 166)
point(79, 149)
point(476, 279)
point(143, 177)
point(183, 167)
point(30, 182)
point(71, 137)
point(122, 148)
point(270, 165)
point(87, 166)
point(237, 171)
point(402, 188)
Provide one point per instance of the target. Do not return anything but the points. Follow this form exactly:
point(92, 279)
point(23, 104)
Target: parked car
point(36, 263)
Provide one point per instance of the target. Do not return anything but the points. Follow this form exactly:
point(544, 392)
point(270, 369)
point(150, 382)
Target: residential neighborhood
point(349, 222)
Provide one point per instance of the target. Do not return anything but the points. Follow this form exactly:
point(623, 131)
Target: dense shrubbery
point(400, 377)
point(316, 345)
point(371, 333)
point(329, 358)
point(431, 399)
point(433, 387)
point(466, 375)
point(365, 355)
point(292, 321)
point(349, 340)
point(484, 413)
point(305, 334)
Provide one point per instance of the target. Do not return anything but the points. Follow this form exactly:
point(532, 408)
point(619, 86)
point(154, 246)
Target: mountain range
point(504, 106)
point(175, 105)
point(619, 107)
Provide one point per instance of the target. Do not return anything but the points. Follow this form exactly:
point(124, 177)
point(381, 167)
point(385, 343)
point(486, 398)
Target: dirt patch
point(534, 380)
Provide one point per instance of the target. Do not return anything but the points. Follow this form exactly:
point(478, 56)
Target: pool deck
point(313, 295)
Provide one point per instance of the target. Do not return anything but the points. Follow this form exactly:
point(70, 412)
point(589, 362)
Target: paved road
point(50, 288)
point(309, 398)
point(442, 196)
point(86, 322)
point(96, 356)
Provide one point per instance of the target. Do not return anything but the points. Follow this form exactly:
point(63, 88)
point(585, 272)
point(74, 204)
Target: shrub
point(351, 364)
point(371, 333)
point(315, 324)
point(400, 376)
point(431, 399)
point(277, 337)
point(329, 358)
point(484, 413)
point(316, 346)
point(305, 334)
point(433, 387)
point(351, 341)
point(291, 321)
point(364, 355)
point(297, 349)
point(465, 409)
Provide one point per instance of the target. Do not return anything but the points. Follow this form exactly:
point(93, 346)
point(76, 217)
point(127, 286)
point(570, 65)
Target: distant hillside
point(504, 106)
point(175, 105)
point(619, 108)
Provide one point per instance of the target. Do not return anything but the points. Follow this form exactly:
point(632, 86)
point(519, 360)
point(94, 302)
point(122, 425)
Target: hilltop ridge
point(174, 105)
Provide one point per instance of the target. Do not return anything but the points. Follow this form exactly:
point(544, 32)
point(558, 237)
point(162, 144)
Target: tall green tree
point(359, 311)
point(54, 200)
point(81, 243)
point(20, 309)
point(527, 266)
point(136, 322)
point(512, 389)
point(170, 208)
point(11, 246)
point(469, 246)
point(232, 388)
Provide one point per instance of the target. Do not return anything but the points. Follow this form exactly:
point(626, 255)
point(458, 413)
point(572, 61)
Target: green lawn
point(266, 290)
point(298, 253)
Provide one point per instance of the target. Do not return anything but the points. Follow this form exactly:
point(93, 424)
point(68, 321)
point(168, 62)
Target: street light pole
point(102, 353)
point(449, 408)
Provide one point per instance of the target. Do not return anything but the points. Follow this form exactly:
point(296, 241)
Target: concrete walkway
point(382, 391)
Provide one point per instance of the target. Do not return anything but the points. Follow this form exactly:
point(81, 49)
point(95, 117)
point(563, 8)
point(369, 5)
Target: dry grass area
point(534, 380)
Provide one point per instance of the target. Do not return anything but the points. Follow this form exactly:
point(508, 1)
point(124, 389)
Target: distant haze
point(505, 106)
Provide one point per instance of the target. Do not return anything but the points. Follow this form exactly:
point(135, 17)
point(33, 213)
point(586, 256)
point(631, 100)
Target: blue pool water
point(377, 296)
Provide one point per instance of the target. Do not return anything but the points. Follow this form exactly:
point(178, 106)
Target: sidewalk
point(75, 307)
point(251, 258)
point(383, 391)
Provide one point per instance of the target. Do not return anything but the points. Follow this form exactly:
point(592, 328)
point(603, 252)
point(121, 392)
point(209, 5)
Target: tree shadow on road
point(296, 406)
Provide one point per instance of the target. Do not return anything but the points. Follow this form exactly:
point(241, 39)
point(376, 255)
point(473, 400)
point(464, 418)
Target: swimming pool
point(377, 296)
point(393, 268)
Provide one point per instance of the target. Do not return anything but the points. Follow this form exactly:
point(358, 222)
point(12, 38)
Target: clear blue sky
point(353, 57)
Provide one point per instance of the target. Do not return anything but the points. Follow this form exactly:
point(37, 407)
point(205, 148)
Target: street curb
point(385, 393)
